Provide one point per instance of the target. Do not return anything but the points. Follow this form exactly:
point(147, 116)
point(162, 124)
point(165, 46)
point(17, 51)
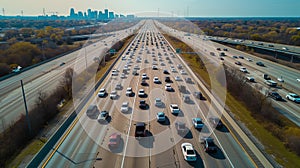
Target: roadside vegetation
point(17, 142)
point(279, 136)
point(30, 45)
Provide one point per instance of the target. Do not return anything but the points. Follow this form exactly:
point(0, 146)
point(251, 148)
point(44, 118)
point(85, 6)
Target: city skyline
point(185, 8)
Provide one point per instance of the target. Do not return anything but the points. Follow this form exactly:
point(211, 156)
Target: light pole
point(26, 109)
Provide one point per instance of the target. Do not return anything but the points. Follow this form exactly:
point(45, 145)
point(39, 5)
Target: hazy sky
point(177, 7)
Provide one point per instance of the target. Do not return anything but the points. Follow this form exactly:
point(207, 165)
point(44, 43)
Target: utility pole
point(44, 12)
point(3, 11)
point(26, 109)
point(22, 13)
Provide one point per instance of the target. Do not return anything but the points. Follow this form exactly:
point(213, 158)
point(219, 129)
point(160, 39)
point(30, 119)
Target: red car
point(114, 140)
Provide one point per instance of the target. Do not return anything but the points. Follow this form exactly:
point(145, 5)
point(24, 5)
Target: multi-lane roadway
point(85, 144)
point(202, 45)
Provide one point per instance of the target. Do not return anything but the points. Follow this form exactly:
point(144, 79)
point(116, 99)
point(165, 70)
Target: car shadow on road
point(105, 122)
point(166, 122)
point(147, 141)
point(93, 115)
point(198, 163)
point(223, 129)
point(118, 149)
point(188, 135)
point(217, 155)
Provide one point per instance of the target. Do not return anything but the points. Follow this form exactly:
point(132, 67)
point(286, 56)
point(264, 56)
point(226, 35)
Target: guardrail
point(39, 157)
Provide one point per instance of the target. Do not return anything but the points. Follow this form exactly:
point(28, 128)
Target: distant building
point(106, 14)
point(130, 16)
point(72, 13)
point(80, 14)
point(111, 15)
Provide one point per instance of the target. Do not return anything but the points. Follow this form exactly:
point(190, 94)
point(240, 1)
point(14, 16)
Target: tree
point(4, 69)
point(67, 81)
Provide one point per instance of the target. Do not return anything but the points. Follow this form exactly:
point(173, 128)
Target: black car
point(198, 95)
point(143, 104)
point(260, 64)
point(144, 83)
point(165, 71)
point(167, 79)
point(275, 96)
point(241, 57)
point(140, 129)
point(209, 145)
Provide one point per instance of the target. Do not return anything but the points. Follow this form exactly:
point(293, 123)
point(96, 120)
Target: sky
point(204, 8)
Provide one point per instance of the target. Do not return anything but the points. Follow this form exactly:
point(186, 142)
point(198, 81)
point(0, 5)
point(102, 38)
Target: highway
point(289, 109)
point(48, 76)
point(85, 144)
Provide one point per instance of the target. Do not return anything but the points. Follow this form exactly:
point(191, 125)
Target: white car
point(293, 97)
point(114, 72)
point(250, 79)
point(197, 122)
point(188, 152)
point(144, 76)
point(298, 80)
point(123, 75)
point(173, 70)
point(124, 107)
point(102, 92)
point(160, 116)
point(182, 72)
point(249, 59)
point(280, 79)
point(113, 94)
point(243, 69)
point(154, 67)
point(158, 102)
point(156, 80)
point(141, 92)
point(168, 87)
point(129, 91)
point(174, 108)
point(177, 78)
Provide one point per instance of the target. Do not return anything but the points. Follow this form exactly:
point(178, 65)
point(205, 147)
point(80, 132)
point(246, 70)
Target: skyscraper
point(72, 13)
point(106, 14)
point(111, 15)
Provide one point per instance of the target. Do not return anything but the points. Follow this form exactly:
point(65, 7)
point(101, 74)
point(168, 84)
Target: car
point(135, 73)
point(141, 93)
point(219, 49)
point(179, 66)
point(235, 57)
point(118, 86)
point(144, 83)
point(174, 109)
point(114, 140)
point(260, 64)
point(129, 91)
point(144, 76)
point(173, 70)
point(298, 80)
point(140, 129)
point(243, 69)
point(181, 127)
point(285, 48)
point(274, 95)
point(182, 72)
point(188, 152)
point(280, 79)
point(197, 122)
point(165, 71)
point(62, 64)
point(124, 107)
point(154, 67)
point(216, 122)
point(156, 80)
point(162, 64)
point(143, 104)
point(103, 116)
point(250, 79)
point(222, 54)
point(270, 83)
point(209, 145)
point(136, 67)
point(249, 59)
point(238, 63)
point(293, 97)
point(198, 95)
point(271, 45)
point(241, 57)
point(113, 94)
point(225, 49)
point(186, 98)
point(160, 116)
point(221, 58)
point(114, 72)
point(92, 110)
point(167, 79)
point(168, 87)
point(123, 76)
point(102, 92)
point(188, 80)
point(177, 78)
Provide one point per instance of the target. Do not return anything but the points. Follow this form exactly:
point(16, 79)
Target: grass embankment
point(259, 127)
point(37, 143)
